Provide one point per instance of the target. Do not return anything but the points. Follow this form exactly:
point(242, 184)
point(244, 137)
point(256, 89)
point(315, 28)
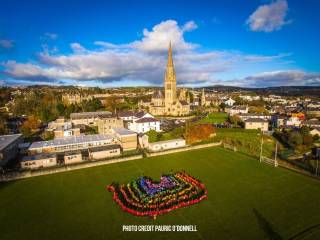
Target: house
point(312, 123)
point(238, 110)
point(89, 118)
point(315, 131)
point(166, 145)
point(66, 132)
point(245, 116)
point(299, 115)
point(127, 138)
point(144, 122)
point(279, 120)
point(9, 147)
point(104, 152)
point(230, 102)
point(59, 122)
point(256, 123)
point(293, 122)
point(105, 125)
point(39, 161)
point(72, 157)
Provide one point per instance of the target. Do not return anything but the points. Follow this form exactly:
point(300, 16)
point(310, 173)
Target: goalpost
point(264, 159)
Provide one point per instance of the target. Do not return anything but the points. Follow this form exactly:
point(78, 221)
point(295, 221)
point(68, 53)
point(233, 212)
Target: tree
point(30, 125)
point(295, 139)
point(235, 119)
point(197, 133)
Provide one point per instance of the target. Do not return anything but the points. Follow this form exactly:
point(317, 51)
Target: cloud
point(141, 60)
point(283, 78)
point(7, 44)
point(52, 36)
point(157, 40)
point(269, 17)
point(189, 26)
point(77, 48)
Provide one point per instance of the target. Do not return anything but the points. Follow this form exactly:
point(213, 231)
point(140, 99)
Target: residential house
point(256, 123)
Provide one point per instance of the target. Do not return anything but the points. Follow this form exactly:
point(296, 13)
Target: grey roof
point(147, 119)
point(157, 94)
point(239, 107)
point(6, 140)
point(183, 102)
point(90, 114)
point(103, 148)
point(123, 131)
point(256, 120)
point(39, 156)
point(70, 140)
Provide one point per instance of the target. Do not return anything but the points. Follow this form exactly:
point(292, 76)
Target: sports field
point(246, 200)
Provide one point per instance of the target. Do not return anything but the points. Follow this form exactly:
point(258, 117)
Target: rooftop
point(104, 148)
point(70, 140)
point(90, 114)
point(123, 131)
point(6, 140)
point(147, 119)
point(256, 120)
point(39, 156)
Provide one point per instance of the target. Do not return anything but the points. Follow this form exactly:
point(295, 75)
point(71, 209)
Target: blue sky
point(253, 43)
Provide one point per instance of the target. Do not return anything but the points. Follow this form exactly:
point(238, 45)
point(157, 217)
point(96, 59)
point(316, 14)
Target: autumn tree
point(198, 133)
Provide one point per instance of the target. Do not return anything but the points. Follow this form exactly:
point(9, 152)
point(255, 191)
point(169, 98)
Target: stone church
point(169, 103)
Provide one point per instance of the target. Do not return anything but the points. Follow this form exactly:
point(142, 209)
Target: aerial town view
point(160, 119)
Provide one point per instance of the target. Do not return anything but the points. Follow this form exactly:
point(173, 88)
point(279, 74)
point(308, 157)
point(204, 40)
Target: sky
point(247, 43)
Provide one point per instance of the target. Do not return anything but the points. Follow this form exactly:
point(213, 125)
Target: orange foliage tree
point(198, 133)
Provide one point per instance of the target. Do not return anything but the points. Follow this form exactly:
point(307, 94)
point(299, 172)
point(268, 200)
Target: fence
point(231, 147)
point(188, 148)
point(45, 171)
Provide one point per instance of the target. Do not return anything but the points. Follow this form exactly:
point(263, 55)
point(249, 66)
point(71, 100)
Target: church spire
point(170, 60)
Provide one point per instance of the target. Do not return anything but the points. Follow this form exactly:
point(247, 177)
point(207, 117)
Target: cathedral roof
point(183, 102)
point(157, 94)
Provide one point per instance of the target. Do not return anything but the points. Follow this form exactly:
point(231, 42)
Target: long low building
point(89, 118)
point(166, 145)
point(71, 143)
point(39, 161)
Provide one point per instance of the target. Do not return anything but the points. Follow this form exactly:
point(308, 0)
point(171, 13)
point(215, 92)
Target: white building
point(238, 110)
point(293, 121)
point(230, 102)
point(144, 124)
point(166, 145)
point(256, 123)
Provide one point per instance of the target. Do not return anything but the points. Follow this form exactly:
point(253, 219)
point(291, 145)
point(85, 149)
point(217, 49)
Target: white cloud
point(141, 60)
point(158, 39)
point(77, 48)
point(282, 78)
point(5, 43)
point(189, 26)
point(52, 36)
point(269, 17)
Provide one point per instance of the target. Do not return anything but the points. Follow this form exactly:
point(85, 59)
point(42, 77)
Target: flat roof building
point(9, 147)
point(72, 143)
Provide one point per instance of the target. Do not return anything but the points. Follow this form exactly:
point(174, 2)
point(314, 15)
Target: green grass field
point(246, 200)
point(217, 117)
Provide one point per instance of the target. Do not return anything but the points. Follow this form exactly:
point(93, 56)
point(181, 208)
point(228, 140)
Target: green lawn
point(246, 200)
point(217, 117)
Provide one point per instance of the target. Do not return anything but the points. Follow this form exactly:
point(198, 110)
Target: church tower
point(170, 84)
point(203, 98)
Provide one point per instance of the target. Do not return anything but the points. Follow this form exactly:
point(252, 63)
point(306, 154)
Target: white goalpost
point(271, 161)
